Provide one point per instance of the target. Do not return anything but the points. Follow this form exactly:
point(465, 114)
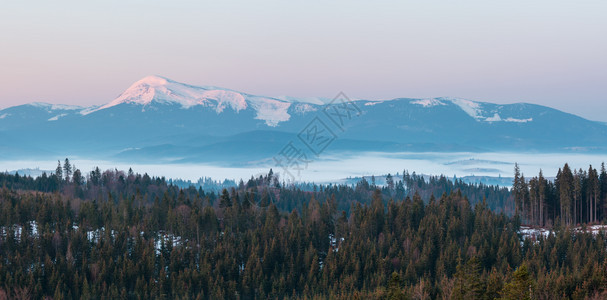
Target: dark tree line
point(574, 197)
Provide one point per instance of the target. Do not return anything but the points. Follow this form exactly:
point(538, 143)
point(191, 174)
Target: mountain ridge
point(162, 90)
point(155, 111)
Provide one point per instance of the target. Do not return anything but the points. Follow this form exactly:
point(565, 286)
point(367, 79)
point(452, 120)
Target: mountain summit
point(164, 90)
point(161, 90)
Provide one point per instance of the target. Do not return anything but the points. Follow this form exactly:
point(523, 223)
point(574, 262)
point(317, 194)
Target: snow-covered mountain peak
point(152, 80)
point(161, 90)
point(166, 91)
point(145, 90)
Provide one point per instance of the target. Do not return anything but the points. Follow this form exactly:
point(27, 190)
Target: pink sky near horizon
point(546, 52)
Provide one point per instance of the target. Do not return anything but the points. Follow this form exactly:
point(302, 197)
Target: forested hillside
point(115, 234)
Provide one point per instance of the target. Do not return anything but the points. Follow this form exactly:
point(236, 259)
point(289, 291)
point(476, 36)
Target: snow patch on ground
point(40, 104)
point(302, 108)
point(472, 108)
point(270, 110)
point(65, 107)
point(223, 99)
point(594, 229)
point(518, 120)
point(428, 102)
point(49, 106)
point(334, 243)
point(475, 110)
point(496, 118)
point(93, 236)
point(166, 239)
point(55, 118)
point(535, 233)
point(34, 226)
point(89, 110)
point(371, 103)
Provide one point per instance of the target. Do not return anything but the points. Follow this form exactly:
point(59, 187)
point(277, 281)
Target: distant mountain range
point(158, 119)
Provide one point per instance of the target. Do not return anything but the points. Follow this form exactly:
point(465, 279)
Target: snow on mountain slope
point(309, 100)
point(51, 107)
point(272, 110)
point(496, 118)
point(479, 111)
point(165, 91)
point(224, 99)
point(428, 102)
point(166, 119)
point(303, 108)
point(154, 92)
point(55, 118)
point(470, 107)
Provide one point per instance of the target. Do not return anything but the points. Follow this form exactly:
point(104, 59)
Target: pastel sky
point(87, 52)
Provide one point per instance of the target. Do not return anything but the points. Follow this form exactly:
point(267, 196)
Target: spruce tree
point(59, 170)
point(542, 185)
point(520, 287)
point(225, 200)
point(517, 190)
point(565, 190)
point(67, 170)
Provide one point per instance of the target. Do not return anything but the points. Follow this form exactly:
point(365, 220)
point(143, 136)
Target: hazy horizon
point(334, 168)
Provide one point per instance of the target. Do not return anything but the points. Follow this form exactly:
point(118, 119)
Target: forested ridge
point(116, 234)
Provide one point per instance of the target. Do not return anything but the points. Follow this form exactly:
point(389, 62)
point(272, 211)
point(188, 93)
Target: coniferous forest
point(122, 235)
